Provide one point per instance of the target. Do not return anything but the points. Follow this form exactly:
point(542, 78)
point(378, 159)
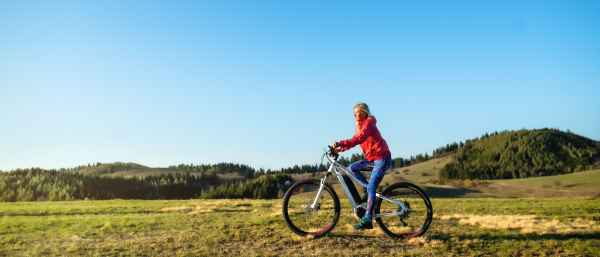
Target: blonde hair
point(363, 107)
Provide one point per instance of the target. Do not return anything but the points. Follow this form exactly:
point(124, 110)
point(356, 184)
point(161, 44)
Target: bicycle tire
point(411, 224)
point(303, 220)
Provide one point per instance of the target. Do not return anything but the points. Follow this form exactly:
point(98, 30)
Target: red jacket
point(370, 140)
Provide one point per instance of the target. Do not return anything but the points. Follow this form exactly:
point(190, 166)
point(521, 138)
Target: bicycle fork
point(316, 201)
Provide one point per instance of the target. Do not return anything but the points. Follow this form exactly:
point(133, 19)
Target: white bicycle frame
point(335, 169)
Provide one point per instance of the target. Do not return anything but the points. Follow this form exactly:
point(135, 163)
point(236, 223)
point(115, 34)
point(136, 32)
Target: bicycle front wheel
point(415, 221)
point(303, 216)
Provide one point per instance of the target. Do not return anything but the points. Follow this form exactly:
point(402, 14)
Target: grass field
point(586, 181)
point(466, 226)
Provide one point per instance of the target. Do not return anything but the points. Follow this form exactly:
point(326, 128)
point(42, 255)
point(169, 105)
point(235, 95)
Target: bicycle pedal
point(359, 212)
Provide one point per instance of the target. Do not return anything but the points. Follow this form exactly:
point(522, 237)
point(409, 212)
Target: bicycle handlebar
point(332, 153)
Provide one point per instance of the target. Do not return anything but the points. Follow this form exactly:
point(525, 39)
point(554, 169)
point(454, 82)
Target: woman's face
point(359, 115)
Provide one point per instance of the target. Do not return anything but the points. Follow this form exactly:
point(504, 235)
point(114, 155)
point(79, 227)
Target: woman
point(376, 153)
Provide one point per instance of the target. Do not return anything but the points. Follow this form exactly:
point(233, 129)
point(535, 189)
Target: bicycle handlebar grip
point(332, 152)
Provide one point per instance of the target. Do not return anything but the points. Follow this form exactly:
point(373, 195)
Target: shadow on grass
point(362, 238)
point(572, 185)
point(383, 239)
point(448, 192)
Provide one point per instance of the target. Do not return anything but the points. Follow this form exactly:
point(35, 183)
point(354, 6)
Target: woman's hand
point(335, 145)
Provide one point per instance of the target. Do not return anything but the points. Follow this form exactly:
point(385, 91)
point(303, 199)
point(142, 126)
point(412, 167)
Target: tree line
point(37, 184)
point(269, 186)
point(220, 168)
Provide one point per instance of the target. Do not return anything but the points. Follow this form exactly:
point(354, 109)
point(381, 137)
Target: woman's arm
point(360, 136)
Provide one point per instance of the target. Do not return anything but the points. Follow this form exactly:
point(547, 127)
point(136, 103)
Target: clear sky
point(270, 83)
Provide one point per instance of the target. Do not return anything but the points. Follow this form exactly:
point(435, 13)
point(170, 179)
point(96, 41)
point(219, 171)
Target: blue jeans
point(380, 167)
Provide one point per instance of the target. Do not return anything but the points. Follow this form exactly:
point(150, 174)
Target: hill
point(523, 154)
point(580, 184)
point(584, 183)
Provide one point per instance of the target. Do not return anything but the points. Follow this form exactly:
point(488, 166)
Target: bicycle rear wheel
point(299, 214)
point(410, 224)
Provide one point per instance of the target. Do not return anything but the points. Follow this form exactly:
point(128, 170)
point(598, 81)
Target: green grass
point(587, 181)
point(419, 173)
point(581, 184)
point(540, 227)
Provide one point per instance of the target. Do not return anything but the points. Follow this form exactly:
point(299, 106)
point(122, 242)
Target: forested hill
point(522, 154)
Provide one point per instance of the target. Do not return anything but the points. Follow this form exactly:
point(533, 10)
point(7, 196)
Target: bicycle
point(312, 208)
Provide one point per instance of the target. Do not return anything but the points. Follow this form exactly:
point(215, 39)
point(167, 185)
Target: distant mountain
point(522, 154)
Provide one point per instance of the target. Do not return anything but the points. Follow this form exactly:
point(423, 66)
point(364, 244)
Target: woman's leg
point(381, 166)
point(356, 167)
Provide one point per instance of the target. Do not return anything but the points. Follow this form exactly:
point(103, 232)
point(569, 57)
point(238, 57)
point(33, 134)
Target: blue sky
point(271, 83)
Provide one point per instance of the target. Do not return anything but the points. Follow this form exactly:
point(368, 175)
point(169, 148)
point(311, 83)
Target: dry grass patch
point(210, 206)
point(275, 212)
point(183, 209)
point(201, 210)
point(526, 224)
